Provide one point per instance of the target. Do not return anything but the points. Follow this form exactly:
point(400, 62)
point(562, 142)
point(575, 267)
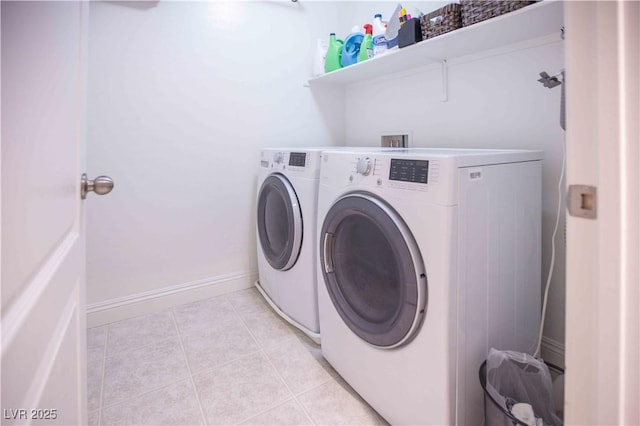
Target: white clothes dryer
point(427, 259)
point(286, 228)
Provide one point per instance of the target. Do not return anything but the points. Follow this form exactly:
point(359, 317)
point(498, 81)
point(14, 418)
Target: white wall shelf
point(538, 20)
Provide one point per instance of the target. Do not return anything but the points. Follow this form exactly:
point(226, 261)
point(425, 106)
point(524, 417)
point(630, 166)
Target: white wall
point(182, 96)
point(494, 101)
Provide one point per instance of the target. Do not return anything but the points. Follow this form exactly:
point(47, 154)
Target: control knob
point(278, 157)
point(363, 166)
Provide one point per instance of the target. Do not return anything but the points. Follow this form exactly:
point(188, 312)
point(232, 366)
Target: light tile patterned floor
point(225, 360)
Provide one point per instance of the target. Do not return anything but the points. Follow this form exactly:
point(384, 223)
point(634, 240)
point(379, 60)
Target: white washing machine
point(286, 228)
point(427, 258)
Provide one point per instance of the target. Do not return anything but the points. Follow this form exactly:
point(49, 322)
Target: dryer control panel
point(297, 159)
point(303, 162)
point(283, 160)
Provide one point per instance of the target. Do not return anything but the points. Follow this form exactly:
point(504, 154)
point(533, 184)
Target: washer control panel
point(406, 170)
point(394, 172)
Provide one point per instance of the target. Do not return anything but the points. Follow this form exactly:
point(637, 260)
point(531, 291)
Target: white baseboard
point(552, 351)
point(167, 297)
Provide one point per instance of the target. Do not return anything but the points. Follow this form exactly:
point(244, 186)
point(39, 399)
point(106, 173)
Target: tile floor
point(225, 360)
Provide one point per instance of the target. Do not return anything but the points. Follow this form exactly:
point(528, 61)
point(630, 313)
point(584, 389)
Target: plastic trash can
point(516, 380)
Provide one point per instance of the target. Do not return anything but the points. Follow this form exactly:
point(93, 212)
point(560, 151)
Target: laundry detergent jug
point(351, 48)
point(334, 54)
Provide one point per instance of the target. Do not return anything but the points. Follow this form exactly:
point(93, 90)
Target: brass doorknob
point(101, 185)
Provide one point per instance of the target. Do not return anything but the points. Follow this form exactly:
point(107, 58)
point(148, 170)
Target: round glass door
point(279, 222)
point(373, 270)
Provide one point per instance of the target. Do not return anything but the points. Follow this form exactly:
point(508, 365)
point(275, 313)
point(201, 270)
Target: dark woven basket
point(441, 21)
point(474, 11)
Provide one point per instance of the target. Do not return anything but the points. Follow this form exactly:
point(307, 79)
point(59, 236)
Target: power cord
point(553, 248)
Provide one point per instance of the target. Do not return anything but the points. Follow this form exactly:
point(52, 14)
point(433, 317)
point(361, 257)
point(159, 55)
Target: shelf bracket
point(445, 80)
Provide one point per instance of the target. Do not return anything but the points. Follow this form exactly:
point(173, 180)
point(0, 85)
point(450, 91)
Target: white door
point(43, 249)
point(603, 253)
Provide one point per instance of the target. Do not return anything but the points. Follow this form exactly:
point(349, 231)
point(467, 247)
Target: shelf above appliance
point(531, 22)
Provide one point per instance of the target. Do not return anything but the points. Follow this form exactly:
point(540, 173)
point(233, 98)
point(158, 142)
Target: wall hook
point(550, 81)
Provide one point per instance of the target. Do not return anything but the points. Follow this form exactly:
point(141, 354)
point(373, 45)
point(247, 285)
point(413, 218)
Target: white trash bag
point(521, 386)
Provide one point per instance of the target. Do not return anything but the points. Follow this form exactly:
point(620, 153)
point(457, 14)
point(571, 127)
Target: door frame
point(603, 255)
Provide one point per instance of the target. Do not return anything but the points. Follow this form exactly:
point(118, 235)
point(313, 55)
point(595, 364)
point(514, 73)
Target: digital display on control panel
point(409, 170)
point(297, 159)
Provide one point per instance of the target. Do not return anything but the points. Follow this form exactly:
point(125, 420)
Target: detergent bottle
point(379, 41)
point(351, 47)
point(366, 48)
point(334, 54)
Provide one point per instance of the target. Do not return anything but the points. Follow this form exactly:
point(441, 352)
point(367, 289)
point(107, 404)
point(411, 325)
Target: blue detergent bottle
point(351, 47)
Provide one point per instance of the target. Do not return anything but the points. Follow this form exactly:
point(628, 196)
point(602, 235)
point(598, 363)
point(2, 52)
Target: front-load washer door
point(373, 270)
point(279, 222)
